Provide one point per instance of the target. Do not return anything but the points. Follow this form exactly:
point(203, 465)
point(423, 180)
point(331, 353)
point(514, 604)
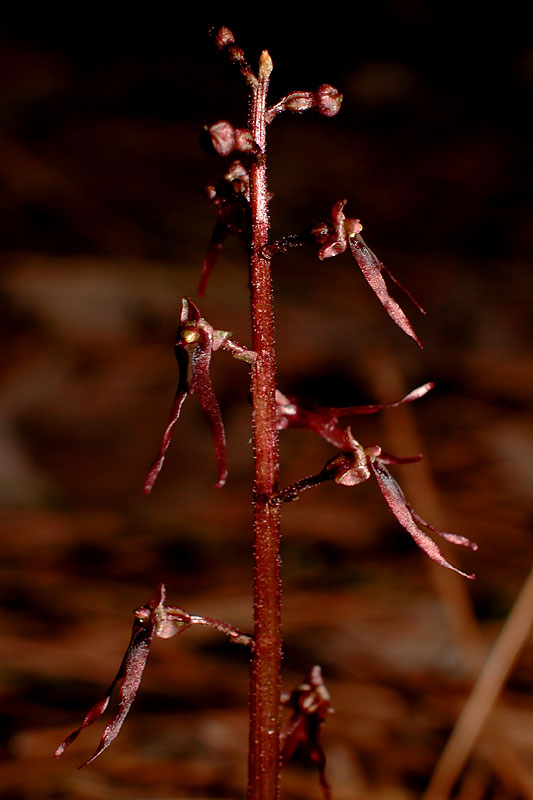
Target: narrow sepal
point(415, 394)
point(322, 420)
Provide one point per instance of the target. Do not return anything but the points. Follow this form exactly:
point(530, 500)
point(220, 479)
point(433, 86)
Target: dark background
point(103, 231)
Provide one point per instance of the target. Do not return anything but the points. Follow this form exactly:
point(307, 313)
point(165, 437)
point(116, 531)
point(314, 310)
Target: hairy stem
point(263, 778)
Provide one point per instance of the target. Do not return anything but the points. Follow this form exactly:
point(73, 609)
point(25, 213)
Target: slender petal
point(397, 503)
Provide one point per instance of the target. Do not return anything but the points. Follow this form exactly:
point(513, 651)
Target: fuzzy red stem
point(265, 690)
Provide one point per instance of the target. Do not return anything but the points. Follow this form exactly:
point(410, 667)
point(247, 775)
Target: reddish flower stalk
point(265, 689)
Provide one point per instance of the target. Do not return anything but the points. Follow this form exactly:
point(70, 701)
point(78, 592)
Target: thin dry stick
point(264, 758)
point(484, 695)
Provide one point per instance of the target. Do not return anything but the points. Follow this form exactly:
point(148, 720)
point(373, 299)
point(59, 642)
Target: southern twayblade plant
point(242, 198)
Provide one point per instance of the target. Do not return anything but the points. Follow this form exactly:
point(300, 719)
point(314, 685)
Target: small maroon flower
point(356, 464)
point(310, 705)
point(157, 619)
point(195, 341)
point(335, 236)
point(128, 678)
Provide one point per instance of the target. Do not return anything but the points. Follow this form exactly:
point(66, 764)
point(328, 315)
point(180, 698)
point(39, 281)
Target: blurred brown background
point(103, 231)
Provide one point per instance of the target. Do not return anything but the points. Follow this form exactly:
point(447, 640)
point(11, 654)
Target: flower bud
point(223, 138)
point(327, 100)
point(223, 37)
point(219, 137)
point(244, 141)
point(265, 65)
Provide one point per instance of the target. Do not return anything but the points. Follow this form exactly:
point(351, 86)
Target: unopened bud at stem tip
point(223, 37)
point(265, 65)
